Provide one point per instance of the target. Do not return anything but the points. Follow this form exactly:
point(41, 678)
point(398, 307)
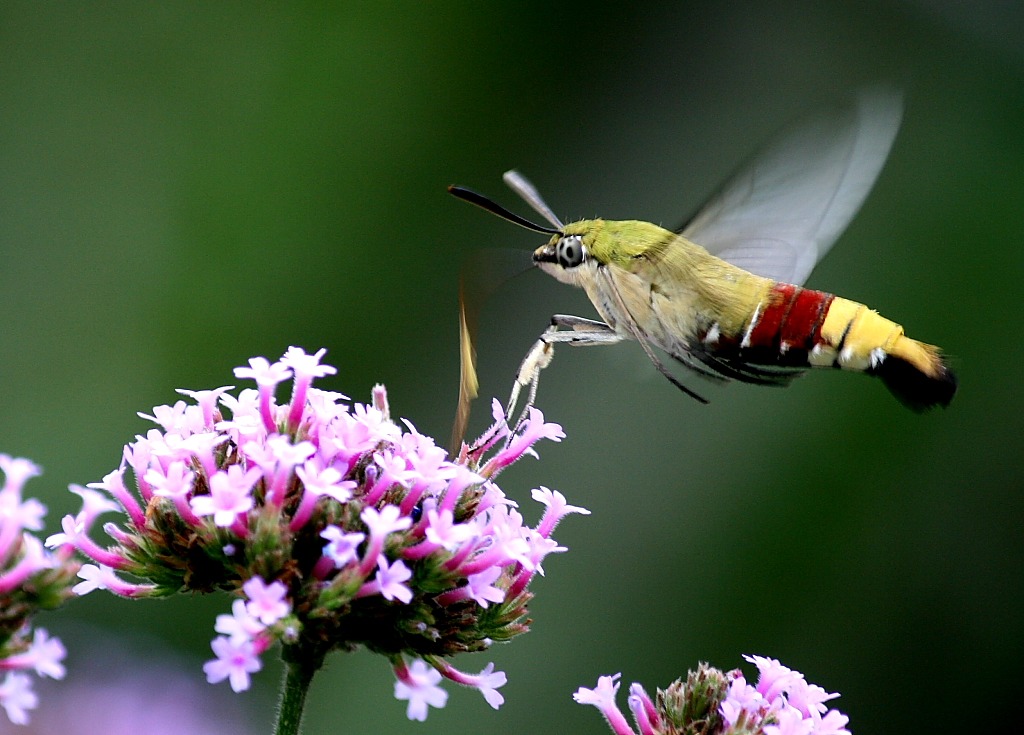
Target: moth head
point(564, 251)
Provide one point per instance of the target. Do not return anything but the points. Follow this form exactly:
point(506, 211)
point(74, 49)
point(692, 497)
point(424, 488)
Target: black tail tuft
point(914, 389)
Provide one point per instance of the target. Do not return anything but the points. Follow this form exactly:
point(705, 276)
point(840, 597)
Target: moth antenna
point(468, 195)
point(522, 186)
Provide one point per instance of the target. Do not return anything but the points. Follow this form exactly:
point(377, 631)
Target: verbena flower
point(710, 702)
point(335, 526)
point(31, 579)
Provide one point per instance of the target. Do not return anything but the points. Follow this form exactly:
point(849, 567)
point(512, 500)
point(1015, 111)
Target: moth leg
point(579, 332)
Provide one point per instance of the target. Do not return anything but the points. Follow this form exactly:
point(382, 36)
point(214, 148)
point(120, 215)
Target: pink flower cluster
point(781, 703)
point(783, 697)
point(334, 525)
point(31, 579)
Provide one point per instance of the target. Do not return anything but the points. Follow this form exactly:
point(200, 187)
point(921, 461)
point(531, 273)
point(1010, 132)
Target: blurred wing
point(469, 384)
point(481, 274)
point(780, 215)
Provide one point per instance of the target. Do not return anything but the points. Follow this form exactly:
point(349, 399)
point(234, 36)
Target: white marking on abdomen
point(753, 323)
point(821, 356)
point(850, 360)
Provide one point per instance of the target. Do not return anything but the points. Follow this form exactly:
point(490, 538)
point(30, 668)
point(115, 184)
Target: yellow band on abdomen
point(854, 337)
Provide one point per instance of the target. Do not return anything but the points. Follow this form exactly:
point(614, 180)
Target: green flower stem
point(298, 677)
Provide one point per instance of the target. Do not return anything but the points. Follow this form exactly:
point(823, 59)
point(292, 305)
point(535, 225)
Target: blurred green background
point(185, 186)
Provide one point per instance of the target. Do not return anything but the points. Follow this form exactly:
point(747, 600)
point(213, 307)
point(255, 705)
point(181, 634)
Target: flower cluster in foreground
point(712, 702)
point(31, 579)
point(335, 526)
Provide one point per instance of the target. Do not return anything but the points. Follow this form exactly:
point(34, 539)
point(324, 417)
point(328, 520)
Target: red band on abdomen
point(772, 316)
point(787, 326)
point(802, 326)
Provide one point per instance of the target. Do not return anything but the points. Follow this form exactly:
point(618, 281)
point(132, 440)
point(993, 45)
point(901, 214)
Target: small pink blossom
point(268, 603)
point(507, 543)
point(557, 509)
point(306, 367)
point(246, 424)
point(93, 504)
point(175, 484)
point(265, 373)
point(808, 699)
point(774, 679)
point(240, 624)
point(230, 495)
point(389, 582)
point(603, 697)
point(172, 419)
point(113, 483)
point(789, 722)
point(236, 660)
point(387, 520)
point(33, 559)
point(17, 697)
point(741, 697)
point(47, 654)
point(418, 685)
point(287, 455)
point(103, 578)
point(532, 430)
point(318, 483)
point(207, 401)
point(495, 433)
point(44, 656)
point(325, 481)
point(75, 533)
point(380, 524)
point(743, 709)
point(487, 682)
point(463, 479)
point(203, 446)
point(832, 723)
point(443, 531)
point(17, 471)
point(24, 514)
point(478, 588)
point(394, 470)
point(341, 547)
point(645, 714)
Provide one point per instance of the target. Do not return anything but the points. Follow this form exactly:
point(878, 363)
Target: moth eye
point(570, 251)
